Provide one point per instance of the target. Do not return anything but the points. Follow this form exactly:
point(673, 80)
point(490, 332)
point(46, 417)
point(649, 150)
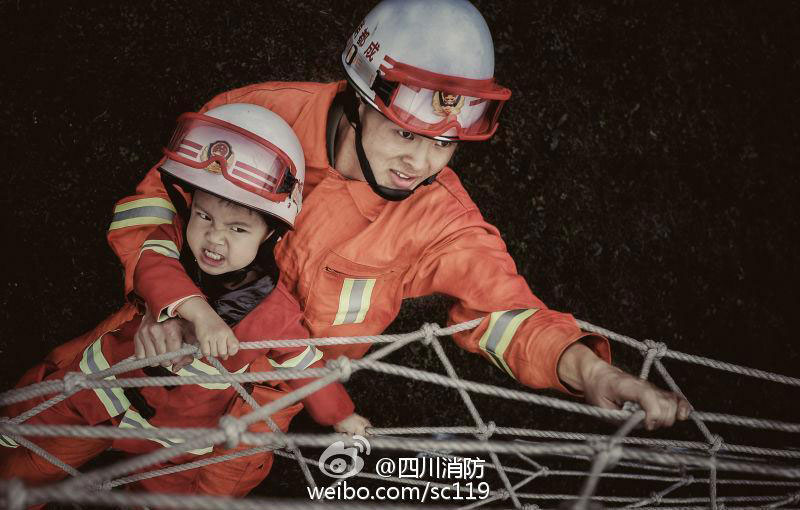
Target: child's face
point(223, 236)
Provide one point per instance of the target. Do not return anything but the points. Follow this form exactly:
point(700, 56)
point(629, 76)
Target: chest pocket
point(345, 292)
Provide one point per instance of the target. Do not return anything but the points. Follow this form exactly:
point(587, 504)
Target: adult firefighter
point(384, 218)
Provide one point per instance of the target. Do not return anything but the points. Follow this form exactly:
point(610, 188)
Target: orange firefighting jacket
point(277, 317)
point(353, 257)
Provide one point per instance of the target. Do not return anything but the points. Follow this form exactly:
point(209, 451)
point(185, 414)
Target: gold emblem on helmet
point(447, 103)
point(217, 149)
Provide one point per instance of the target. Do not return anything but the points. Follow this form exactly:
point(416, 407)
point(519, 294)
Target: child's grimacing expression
point(222, 235)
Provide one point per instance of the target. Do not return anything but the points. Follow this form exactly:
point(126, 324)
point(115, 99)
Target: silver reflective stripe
point(356, 293)
point(500, 328)
point(133, 419)
point(197, 367)
point(132, 423)
point(145, 211)
point(7, 442)
point(190, 368)
point(354, 300)
point(300, 362)
point(164, 247)
point(307, 360)
point(118, 406)
point(499, 334)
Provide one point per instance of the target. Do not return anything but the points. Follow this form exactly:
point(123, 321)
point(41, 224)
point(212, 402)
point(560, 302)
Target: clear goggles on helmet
point(243, 158)
point(437, 105)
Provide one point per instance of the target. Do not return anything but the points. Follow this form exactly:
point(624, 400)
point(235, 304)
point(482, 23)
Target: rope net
point(667, 473)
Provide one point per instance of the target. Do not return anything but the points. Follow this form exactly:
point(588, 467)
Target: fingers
point(222, 348)
point(138, 346)
point(172, 341)
point(159, 343)
point(226, 346)
point(205, 346)
point(153, 339)
point(611, 387)
point(660, 407)
point(233, 345)
point(684, 409)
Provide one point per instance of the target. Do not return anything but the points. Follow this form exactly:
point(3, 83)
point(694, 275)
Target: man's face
point(401, 159)
point(223, 236)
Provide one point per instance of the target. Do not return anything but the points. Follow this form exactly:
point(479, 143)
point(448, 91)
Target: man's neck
point(344, 150)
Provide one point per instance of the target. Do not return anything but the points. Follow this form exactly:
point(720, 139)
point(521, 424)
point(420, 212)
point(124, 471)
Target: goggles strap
point(177, 199)
point(391, 194)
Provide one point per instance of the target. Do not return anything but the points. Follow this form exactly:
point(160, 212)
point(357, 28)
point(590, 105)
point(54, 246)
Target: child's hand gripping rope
point(199, 324)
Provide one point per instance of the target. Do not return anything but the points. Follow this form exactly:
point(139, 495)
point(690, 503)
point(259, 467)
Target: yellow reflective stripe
point(145, 202)
point(145, 211)
point(497, 337)
point(354, 300)
point(305, 359)
point(144, 220)
point(344, 301)
point(197, 367)
point(7, 442)
point(163, 246)
point(134, 420)
point(93, 361)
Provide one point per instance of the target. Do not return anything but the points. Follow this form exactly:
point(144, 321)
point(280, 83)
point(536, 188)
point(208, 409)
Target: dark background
point(643, 176)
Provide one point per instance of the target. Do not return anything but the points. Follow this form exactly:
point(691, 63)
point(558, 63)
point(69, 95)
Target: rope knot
point(486, 431)
point(74, 382)
point(342, 364)
point(503, 493)
point(233, 429)
point(688, 480)
point(715, 445)
point(15, 494)
point(655, 349)
point(430, 331)
point(608, 453)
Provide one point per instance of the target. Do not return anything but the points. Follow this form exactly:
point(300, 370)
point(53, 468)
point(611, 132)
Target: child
point(245, 169)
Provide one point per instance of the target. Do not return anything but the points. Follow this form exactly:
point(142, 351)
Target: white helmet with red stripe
point(243, 153)
point(428, 66)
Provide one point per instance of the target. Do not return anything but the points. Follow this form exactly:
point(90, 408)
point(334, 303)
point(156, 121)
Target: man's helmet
point(428, 66)
point(243, 153)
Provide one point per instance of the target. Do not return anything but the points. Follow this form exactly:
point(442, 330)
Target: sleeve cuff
point(169, 311)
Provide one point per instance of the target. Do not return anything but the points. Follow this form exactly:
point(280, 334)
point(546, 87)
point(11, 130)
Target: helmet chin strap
point(391, 194)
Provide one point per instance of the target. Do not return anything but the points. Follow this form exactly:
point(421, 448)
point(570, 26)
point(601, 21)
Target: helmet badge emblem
point(447, 103)
point(218, 149)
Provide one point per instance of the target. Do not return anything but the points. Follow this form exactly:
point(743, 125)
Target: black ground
point(642, 179)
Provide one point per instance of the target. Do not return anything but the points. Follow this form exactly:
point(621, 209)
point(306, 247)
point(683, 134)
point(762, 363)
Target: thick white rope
point(234, 432)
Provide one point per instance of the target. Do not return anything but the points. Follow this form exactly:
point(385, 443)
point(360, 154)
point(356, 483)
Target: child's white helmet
point(428, 66)
point(243, 153)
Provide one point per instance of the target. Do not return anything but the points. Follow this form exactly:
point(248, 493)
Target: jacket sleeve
point(328, 405)
point(135, 218)
point(159, 277)
point(519, 334)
